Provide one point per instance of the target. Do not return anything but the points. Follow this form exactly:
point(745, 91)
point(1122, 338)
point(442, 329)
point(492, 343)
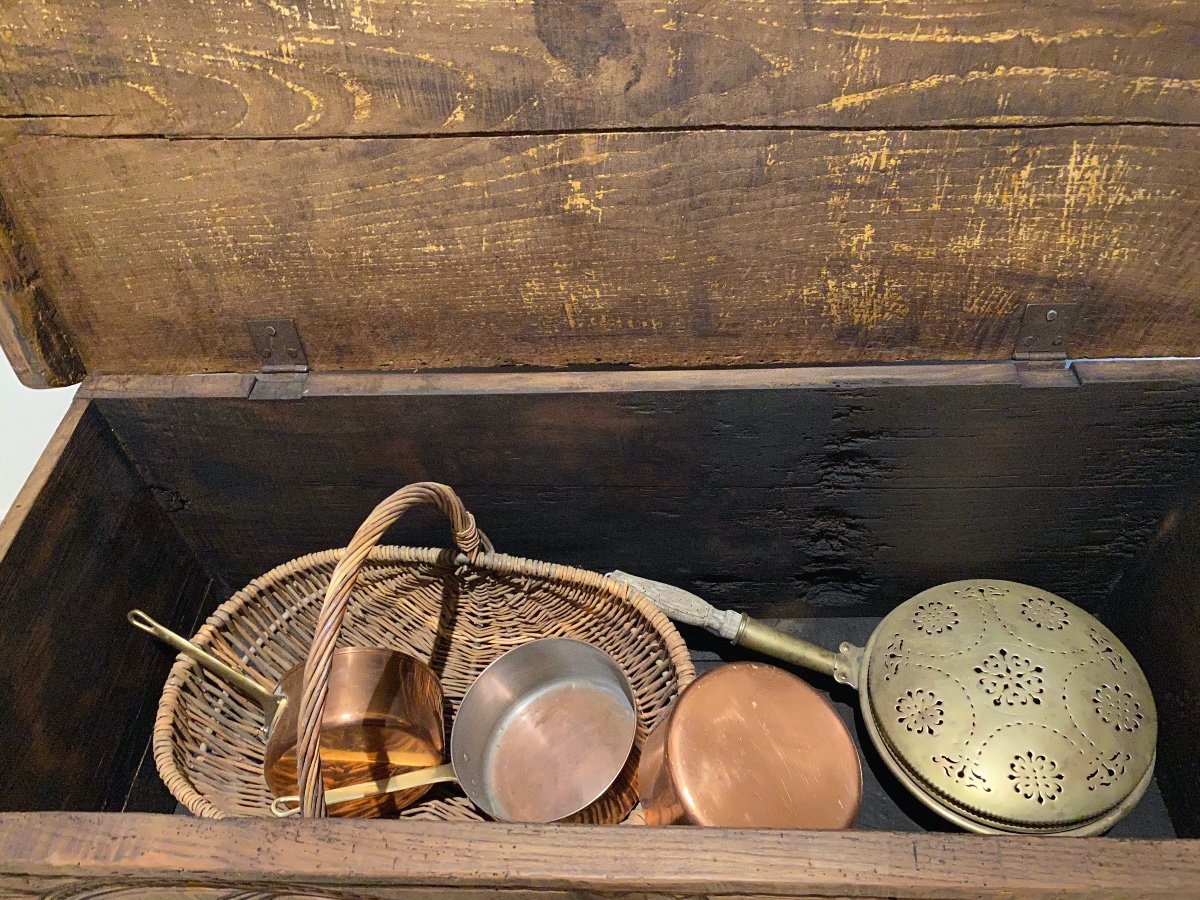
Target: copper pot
point(382, 718)
point(749, 745)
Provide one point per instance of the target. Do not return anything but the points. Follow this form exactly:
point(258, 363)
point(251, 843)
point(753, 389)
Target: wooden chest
point(803, 306)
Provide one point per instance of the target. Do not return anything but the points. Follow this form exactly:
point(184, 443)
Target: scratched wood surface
point(357, 858)
point(336, 67)
point(796, 501)
point(648, 249)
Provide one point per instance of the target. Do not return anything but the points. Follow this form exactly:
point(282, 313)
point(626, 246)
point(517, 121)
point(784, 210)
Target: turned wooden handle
point(320, 656)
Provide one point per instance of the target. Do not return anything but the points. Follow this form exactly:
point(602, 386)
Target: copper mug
point(749, 745)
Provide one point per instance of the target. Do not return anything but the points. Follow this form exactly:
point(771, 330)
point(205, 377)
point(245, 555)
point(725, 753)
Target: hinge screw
point(1051, 315)
point(1029, 341)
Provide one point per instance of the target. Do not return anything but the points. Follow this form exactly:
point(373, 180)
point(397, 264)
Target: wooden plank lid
point(566, 184)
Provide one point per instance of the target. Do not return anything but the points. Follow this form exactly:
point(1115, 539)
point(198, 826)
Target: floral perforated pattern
point(1035, 777)
point(1044, 613)
point(935, 617)
point(963, 771)
point(892, 654)
point(1116, 707)
point(920, 711)
point(1107, 771)
point(1107, 651)
point(1011, 679)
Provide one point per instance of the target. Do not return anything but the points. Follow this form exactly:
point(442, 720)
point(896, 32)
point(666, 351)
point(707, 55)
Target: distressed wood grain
point(84, 543)
point(338, 67)
point(31, 335)
point(393, 859)
point(795, 500)
point(650, 249)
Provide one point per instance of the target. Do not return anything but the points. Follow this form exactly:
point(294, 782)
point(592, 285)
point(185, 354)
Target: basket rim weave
point(178, 783)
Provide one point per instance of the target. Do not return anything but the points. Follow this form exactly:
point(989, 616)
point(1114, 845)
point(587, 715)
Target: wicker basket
point(458, 610)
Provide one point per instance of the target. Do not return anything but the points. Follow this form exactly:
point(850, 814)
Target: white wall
point(27, 420)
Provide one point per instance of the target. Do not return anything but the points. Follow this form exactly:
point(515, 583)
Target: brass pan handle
point(284, 807)
point(268, 700)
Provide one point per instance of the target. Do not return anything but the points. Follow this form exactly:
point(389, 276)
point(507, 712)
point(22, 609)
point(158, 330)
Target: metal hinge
point(284, 362)
point(1045, 328)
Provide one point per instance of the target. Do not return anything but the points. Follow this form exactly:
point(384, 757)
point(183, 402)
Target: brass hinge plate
point(1045, 329)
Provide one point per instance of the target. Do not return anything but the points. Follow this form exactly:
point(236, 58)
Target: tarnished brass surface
point(750, 746)
point(1013, 707)
point(754, 635)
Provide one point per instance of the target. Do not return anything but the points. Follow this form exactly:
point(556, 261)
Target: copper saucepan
point(1000, 706)
point(383, 717)
point(749, 745)
point(540, 736)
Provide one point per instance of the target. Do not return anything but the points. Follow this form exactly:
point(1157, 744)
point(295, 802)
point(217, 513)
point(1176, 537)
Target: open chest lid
point(567, 184)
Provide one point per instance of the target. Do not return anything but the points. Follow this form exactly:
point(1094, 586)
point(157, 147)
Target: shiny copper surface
point(749, 745)
point(544, 732)
point(383, 717)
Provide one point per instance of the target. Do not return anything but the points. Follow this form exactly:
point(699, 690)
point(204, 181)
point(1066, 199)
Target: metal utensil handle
point(320, 657)
point(738, 628)
point(283, 807)
point(231, 676)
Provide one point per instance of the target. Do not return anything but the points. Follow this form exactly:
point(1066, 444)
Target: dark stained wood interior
point(33, 339)
point(818, 500)
point(78, 685)
point(785, 493)
point(689, 249)
point(332, 68)
point(1157, 608)
point(822, 496)
point(565, 184)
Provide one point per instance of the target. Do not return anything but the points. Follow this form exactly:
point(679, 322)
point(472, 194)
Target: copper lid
point(749, 745)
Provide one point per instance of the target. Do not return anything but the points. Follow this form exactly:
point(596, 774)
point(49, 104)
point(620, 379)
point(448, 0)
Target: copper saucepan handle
point(738, 628)
point(469, 539)
point(240, 681)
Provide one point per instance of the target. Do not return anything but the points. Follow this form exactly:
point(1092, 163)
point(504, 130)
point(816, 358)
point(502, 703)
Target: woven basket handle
point(320, 657)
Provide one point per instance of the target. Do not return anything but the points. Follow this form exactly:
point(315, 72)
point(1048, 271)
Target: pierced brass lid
point(1010, 705)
